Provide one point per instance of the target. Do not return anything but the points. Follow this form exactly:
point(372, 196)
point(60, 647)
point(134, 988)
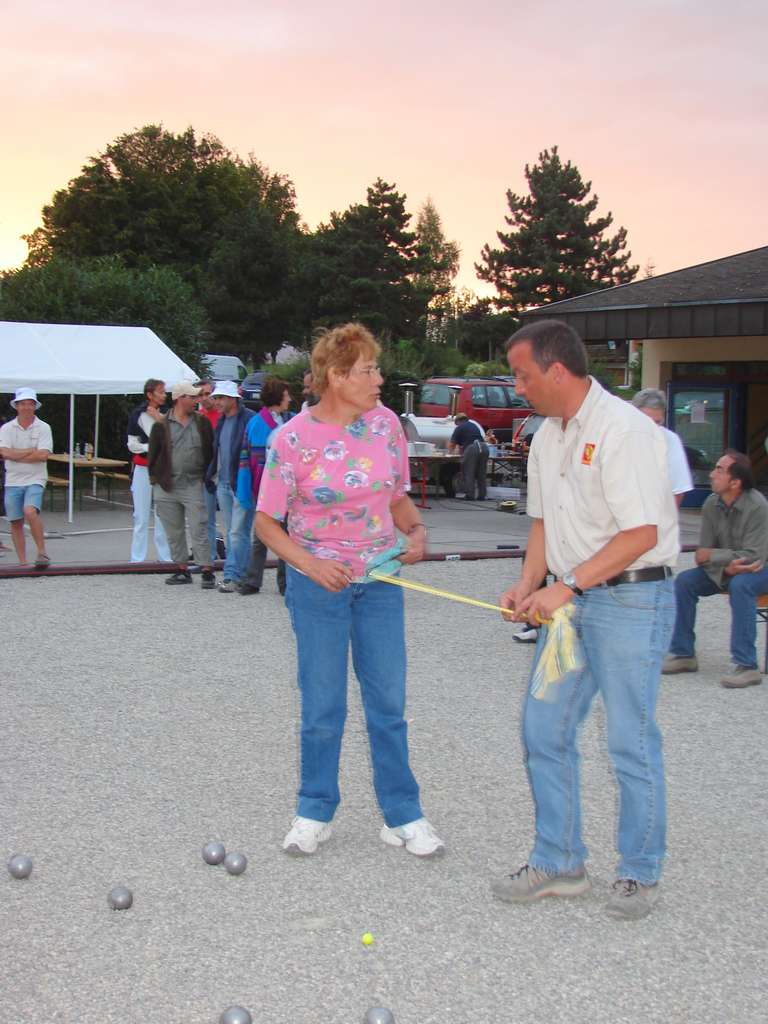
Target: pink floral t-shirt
point(336, 484)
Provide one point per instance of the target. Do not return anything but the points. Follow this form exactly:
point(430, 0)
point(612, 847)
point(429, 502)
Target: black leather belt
point(654, 572)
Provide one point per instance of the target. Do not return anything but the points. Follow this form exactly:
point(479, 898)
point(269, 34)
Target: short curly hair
point(272, 391)
point(339, 349)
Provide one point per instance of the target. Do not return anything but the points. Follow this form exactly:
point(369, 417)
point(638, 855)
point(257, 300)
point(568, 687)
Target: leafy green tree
point(250, 288)
point(366, 265)
point(555, 250)
point(153, 197)
point(105, 291)
point(442, 255)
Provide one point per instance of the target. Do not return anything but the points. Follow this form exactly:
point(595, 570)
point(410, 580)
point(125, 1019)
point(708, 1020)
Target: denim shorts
point(19, 498)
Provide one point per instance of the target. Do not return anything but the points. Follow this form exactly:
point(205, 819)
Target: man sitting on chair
point(733, 548)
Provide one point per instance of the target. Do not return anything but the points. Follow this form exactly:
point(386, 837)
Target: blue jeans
point(211, 507)
point(370, 616)
point(17, 498)
point(624, 633)
point(238, 524)
point(742, 592)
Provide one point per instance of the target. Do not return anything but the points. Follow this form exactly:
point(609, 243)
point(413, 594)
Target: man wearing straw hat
point(605, 523)
point(25, 444)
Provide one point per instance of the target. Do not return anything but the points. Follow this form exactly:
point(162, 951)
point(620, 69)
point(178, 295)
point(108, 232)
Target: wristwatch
point(570, 581)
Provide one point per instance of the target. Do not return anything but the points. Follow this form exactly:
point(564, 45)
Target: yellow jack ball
point(367, 939)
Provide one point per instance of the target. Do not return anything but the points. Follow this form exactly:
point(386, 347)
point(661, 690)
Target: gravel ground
point(140, 721)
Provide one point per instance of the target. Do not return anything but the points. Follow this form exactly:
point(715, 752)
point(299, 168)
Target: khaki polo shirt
point(606, 472)
point(187, 466)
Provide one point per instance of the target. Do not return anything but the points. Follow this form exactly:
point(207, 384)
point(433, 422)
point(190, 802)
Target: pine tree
point(365, 266)
point(555, 250)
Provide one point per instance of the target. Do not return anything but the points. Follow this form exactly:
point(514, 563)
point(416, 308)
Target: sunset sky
point(663, 105)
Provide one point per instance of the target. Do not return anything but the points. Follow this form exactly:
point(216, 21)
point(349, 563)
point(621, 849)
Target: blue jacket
point(242, 417)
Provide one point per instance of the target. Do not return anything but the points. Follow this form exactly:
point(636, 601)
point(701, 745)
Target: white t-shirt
point(606, 472)
point(36, 435)
point(679, 470)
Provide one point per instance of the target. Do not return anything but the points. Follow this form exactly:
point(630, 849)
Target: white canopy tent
point(78, 359)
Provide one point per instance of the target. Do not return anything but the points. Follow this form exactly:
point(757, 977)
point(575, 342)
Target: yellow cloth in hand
point(560, 654)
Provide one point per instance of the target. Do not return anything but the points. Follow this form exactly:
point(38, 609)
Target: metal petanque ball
point(214, 853)
point(120, 898)
point(236, 1015)
point(235, 863)
point(20, 866)
point(379, 1015)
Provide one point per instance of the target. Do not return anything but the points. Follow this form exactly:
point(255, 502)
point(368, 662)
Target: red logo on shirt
point(588, 454)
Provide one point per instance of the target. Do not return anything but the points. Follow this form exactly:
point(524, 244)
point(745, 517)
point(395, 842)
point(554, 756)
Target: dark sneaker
point(528, 885)
point(208, 581)
point(527, 635)
point(630, 901)
point(741, 676)
point(674, 663)
point(227, 587)
point(179, 578)
point(246, 588)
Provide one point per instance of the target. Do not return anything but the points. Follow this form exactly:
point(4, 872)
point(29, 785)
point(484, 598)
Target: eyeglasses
point(369, 371)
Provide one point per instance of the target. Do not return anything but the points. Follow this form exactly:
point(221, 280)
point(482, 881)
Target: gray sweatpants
point(184, 502)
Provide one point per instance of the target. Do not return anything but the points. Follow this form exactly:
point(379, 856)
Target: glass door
point(705, 418)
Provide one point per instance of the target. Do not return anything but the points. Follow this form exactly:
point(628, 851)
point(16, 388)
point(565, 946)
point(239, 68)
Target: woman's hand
point(334, 576)
point(417, 546)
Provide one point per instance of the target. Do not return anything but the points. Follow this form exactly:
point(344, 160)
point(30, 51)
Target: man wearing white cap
point(25, 444)
point(180, 450)
point(227, 445)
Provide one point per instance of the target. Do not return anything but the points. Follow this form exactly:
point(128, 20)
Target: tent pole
point(71, 456)
point(96, 440)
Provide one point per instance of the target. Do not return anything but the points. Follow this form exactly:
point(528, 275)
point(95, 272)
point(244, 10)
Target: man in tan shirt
point(605, 523)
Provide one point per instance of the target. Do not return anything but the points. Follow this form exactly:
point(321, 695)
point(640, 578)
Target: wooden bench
point(57, 483)
point(110, 479)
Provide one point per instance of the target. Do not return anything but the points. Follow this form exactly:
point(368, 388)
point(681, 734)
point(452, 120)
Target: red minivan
point(491, 401)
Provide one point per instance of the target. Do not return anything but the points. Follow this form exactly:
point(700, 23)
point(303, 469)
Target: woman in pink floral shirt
point(339, 472)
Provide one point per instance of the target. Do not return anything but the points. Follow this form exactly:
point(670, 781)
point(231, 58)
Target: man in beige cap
point(180, 451)
point(25, 444)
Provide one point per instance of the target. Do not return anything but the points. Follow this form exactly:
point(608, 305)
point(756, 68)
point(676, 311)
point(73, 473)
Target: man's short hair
point(650, 398)
point(460, 417)
point(740, 469)
point(150, 386)
point(553, 341)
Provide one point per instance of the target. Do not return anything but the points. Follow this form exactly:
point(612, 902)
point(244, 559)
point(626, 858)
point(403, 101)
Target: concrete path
point(140, 721)
point(101, 532)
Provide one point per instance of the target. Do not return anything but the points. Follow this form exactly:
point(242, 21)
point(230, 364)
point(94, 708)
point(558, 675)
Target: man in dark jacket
point(180, 450)
point(227, 445)
point(469, 437)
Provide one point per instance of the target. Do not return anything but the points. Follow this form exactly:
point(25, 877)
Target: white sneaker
point(305, 835)
point(418, 837)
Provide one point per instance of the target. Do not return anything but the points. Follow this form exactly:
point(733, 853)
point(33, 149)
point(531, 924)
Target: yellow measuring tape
point(424, 589)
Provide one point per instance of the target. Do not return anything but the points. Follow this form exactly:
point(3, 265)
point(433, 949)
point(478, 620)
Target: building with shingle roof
point(703, 331)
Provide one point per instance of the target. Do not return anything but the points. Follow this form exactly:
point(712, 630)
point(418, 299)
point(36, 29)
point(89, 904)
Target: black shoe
point(178, 578)
point(208, 581)
point(245, 589)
